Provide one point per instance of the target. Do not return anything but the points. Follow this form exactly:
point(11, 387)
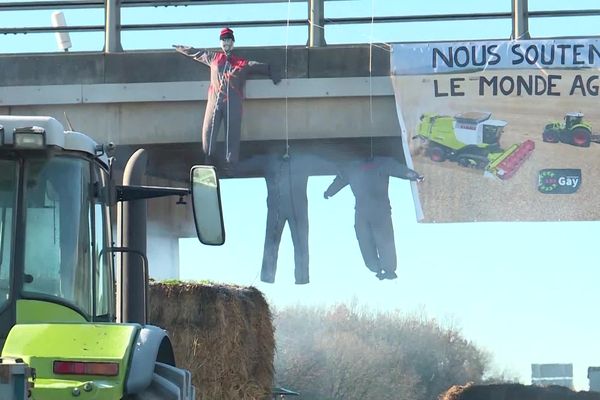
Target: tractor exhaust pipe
point(132, 289)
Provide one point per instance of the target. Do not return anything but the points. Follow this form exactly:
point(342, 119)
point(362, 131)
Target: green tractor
point(67, 330)
point(472, 140)
point(574, 131)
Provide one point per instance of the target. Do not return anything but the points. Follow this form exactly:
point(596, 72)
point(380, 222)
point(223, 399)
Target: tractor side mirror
point(206, 203)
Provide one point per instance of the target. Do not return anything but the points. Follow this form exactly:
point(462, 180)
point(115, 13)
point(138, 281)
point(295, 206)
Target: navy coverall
point(228, 76)
point(369, 180)
point(286, 179)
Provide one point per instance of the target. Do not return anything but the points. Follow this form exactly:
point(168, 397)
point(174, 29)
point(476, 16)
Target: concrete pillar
point(520, 20)
point(163, 253)
point(112, 26)
point(168, 220)
point(316, 23)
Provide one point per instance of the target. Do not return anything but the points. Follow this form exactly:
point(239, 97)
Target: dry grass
point(454, 392)
point(222, 334)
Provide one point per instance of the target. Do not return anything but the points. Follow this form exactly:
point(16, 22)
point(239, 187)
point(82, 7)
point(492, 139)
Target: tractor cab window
point(103, 280)
point(491, 133)
point(66, 230)
point(8, 185)
point(572, 120)
point(58, 233)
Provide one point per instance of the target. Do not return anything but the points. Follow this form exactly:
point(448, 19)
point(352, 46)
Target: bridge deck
point(330, 102)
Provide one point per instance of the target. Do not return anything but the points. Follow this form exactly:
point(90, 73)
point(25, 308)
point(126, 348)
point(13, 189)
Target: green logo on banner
point(559, 181)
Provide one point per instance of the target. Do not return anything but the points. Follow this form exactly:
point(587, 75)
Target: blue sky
point(461, 30)
point(508, 286)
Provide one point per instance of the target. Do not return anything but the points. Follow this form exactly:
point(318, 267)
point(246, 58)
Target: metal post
point(132, 221)
point(112, 26)
point(520, 20)
point(316, 23)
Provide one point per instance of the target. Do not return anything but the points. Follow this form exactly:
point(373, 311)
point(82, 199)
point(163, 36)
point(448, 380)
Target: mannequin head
point(227, 40)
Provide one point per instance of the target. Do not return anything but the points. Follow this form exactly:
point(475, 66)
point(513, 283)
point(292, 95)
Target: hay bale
point(454, 392)
point(515, 391)
point(223, 334)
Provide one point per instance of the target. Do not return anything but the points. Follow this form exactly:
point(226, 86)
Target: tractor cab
point(56, 257)
point(491, 131)
point(572, 119)
point(54, 191)
point(476, 128)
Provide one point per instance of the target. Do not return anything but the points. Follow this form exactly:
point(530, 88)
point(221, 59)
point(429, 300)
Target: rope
point(287, 124)
point(384, 46)
point(371, 72)
point(227, 152)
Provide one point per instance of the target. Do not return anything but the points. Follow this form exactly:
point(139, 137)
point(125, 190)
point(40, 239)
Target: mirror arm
point(130, 192)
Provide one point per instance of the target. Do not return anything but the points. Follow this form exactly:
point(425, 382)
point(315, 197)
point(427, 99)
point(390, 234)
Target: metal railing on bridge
point(315, 21)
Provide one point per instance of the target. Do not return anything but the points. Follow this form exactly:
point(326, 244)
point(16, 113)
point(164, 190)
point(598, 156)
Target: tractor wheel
point(168, 383)
point(550, 136)
point(580, 137)
point(464, 162)
point(472, 161)
point(437, 154)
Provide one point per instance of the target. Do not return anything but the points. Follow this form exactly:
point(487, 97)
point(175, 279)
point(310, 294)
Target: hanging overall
point(369, 181)
point(228, 75)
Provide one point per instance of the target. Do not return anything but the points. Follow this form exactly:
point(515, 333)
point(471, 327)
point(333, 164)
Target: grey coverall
point(228, 76)
point(369, 180)
point(286, 179)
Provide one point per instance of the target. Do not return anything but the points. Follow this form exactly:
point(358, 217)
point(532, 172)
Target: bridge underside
point(172, 161)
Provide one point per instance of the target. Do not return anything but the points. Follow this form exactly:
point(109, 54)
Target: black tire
point(463, 162)
point(550, 136)
point(159, 390)
point(437, 154)
point(581, 137)
point(472, 161)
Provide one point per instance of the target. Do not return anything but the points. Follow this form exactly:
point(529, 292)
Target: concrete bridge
point(330, 101)
point(158, 98)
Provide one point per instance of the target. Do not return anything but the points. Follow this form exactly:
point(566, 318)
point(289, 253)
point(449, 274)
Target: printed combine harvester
point(472, 140)
point(574, 131)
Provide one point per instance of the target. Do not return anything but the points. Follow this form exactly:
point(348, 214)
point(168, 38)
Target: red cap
point(226, 33)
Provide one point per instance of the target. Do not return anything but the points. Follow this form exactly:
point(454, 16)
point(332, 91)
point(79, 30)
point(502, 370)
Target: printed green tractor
point(472, 140)
point(69, 311)
point(574, 131)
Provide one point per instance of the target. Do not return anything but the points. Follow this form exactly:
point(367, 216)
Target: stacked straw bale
point(223, 334)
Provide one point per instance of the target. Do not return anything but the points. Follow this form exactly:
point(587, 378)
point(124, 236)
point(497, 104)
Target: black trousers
point(298, 223)
point(375, 235)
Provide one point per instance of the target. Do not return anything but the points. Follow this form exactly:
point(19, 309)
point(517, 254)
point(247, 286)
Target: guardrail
point(315, 20)
point(51, 4)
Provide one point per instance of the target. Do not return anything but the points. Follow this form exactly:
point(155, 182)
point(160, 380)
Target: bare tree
point(347, 353)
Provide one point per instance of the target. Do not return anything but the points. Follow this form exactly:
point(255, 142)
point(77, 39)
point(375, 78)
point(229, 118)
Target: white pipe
point(63, 41)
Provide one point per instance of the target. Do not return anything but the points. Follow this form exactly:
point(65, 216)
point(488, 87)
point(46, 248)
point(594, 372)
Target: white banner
point(502, 130)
